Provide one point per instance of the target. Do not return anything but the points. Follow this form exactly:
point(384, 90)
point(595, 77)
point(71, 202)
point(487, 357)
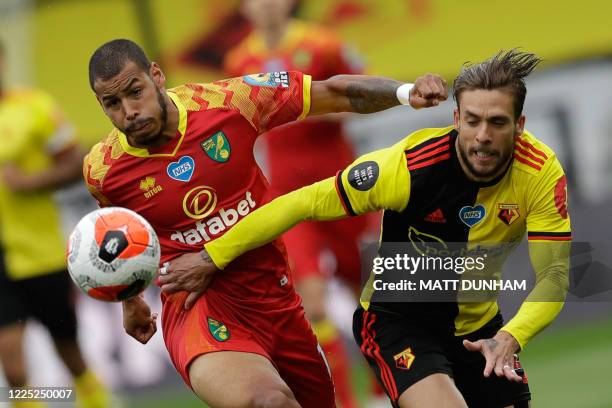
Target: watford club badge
point(404, 360)
point(218, 330)
point(217, 147)
point(508, 213)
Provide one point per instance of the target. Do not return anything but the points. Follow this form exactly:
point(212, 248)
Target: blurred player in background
point(183, 159)
point(38, 155)
point(483, 181)
point(301, 153)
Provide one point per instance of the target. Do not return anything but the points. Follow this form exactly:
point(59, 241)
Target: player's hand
point(191, 272)
point(498, 353)
point(138, 321)
point(428, 90)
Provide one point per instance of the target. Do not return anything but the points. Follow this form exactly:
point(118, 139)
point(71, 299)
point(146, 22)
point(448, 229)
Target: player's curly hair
point(506, 69)
point(110, 58)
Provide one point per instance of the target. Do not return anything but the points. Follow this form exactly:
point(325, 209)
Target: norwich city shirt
point(32, 129)
point(427, 197)
point(198, 186)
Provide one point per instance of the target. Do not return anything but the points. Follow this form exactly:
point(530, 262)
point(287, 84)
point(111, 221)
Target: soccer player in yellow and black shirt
point(38, 154)
point(483, 180)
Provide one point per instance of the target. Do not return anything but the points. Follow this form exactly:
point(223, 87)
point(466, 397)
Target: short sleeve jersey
point(206, 179)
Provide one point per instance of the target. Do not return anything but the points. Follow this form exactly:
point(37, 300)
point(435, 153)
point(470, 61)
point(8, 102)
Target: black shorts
point(402, 352)
point(48, 298)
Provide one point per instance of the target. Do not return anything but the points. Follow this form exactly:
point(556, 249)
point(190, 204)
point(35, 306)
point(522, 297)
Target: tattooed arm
point(368, 94)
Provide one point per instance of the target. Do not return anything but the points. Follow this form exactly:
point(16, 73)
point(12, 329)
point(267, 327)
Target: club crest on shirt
point(471, 216)
point(269, 79)
point(218, 330)
point(217, 147)
point(404, 360)
point(181, 170)
point(508, 213)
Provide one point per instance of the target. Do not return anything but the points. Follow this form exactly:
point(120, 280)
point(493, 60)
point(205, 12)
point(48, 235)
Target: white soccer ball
point(113, 254)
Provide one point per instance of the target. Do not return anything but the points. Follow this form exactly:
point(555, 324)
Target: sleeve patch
point(561, 197)
point(363, 176)
point(270, 79)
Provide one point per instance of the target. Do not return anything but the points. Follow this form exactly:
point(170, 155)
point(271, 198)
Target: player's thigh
point(300, 359)
point(436, 390)
point(13, 303)
point(12, 358)
point(52, 303)
point(491, 392)
point(402, 353)
point(239, 380)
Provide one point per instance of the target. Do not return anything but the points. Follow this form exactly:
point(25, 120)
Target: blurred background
point(569, 106)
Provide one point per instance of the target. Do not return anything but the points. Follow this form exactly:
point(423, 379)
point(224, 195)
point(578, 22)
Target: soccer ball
point(113, 254)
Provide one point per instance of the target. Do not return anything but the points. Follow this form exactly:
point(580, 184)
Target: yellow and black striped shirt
point(425, 193)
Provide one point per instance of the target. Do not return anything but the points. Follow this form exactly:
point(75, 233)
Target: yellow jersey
point(33, 130)
point(428, 198)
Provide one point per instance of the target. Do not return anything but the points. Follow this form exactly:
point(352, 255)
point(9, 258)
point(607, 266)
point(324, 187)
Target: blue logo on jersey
point(181, 170)
point(270, 79)
point(472, 215)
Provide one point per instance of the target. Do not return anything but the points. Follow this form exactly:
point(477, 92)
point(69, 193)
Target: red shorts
point(308, 241)
point(279, 332)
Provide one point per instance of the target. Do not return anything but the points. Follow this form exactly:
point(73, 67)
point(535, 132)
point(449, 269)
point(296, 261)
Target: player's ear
point(456, 118)
point(157, 75)
point(520, 126)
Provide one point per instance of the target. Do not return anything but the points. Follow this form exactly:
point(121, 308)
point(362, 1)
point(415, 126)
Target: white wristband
point(403, 93)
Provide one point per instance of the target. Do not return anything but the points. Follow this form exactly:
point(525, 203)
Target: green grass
point(566, 368)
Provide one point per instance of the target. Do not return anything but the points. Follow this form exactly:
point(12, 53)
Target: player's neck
point(172, 124)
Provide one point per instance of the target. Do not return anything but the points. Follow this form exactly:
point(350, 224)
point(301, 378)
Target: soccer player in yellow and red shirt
point(301, 153)
point(183, 158)
point(478, 186)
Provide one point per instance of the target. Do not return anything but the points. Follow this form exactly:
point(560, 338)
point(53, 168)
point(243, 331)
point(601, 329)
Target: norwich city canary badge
point(218, 330)
point(217, 147)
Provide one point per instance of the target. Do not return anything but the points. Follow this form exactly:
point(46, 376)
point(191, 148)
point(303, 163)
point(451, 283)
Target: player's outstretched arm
point(549, 235)
point(193, 272)
point(551, 264)
point(377, 180)
point(550, 261)
point(318, 201)
point(368, 94)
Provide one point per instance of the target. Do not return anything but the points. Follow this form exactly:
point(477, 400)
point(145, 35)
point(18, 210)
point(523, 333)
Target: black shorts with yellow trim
point(402, 352)
point(48, 298)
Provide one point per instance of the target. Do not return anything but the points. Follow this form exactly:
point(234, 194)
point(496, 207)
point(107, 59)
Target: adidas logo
point(436, 216)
